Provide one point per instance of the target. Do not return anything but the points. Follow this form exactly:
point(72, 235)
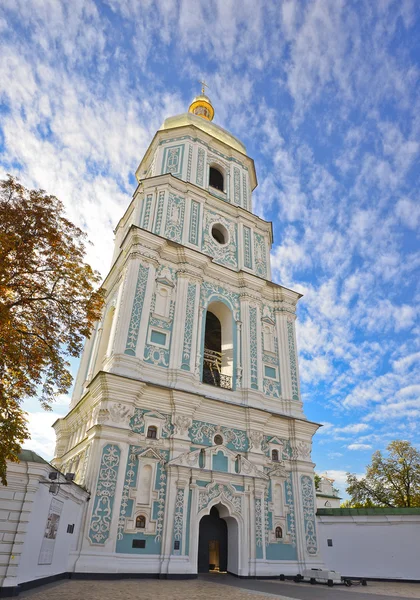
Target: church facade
point(186, 423)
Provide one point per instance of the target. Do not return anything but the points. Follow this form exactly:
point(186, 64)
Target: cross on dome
point(201, 105)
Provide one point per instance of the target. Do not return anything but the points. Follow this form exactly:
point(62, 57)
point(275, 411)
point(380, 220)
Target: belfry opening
point(218, 346)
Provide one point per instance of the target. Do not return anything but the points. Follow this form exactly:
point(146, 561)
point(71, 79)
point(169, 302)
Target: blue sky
point(325, 95)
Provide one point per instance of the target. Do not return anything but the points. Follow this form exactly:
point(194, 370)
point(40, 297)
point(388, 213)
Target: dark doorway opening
point(212, 543)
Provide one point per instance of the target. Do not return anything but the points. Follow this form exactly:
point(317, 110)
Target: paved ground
point(214, 587)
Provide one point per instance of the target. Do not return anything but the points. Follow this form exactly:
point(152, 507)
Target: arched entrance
point(212, 543)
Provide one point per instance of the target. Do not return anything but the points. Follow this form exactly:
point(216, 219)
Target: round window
point(218, 440)
point(220, 233)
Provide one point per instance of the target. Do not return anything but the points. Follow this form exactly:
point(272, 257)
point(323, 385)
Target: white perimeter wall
point(24, 507)
point(377, 546)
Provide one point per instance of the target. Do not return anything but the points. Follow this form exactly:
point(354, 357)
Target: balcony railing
point(212, 367)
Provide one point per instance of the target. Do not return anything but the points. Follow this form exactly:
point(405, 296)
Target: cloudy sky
point(325, 95)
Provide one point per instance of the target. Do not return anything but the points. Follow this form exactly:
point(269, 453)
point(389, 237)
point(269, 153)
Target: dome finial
point(201, 105)
point(203, 86)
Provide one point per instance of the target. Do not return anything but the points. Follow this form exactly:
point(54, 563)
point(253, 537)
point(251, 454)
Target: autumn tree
point(48, 304)
point(392, 480)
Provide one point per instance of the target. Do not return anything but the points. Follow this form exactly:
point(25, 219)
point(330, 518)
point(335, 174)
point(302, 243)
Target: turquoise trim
point(203, 433)
point(292, 360)
point(220, 462)
point(213, 150)
point(189, 328)
point(178, 521)
point(134, 327)
point(173, 158)
point(175, 218)
point(153, 541)
point(260, 255)
point(187, 530)
point(247, 254)
point(147, 205)
point(156, 337)
point(194, 222)
point(202, 483)
point(101, 519)
point(258, 529)
point(270, 372)
point(137, 423)
point(308, 503)
point(159, 213)
point(253, 347)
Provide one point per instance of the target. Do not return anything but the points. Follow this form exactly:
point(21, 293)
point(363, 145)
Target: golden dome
point(202, 107)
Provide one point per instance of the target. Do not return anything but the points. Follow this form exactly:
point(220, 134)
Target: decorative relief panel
point(147, 210)
point(161, 317)
point(216, 490)
point(258, 527)
point(172, 160)
point(247, 247)
point(291, 521)
point(236, 186)
point(200, 167)
point(292, 358)
point(159, 213)
point(137, 421)
point(260, 255)
point(178, 518)
point(271, 388)
point(203, 433)
point(210, 292)
point(224, 254)
point(194, 222)
point(189, 328)
point(130, 481)
point(253, 347)
point(190, 154)
point(100, 521)
point(284, 448)
point(175, 218)
point(245, 192)
point(308, 503)
point(133, 329)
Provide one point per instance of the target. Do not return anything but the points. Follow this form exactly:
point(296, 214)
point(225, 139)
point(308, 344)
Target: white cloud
point(409, 212)
point(357, 446)
point(42, 434)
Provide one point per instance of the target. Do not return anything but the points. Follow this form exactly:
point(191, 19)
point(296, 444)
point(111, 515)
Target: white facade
point(188, 394)
point(326, 494)
point(372, 543)
point(34, 541)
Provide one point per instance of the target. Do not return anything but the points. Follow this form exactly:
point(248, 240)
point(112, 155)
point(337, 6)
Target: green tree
point(392, 480)
point(48, 304)
point(317, 481)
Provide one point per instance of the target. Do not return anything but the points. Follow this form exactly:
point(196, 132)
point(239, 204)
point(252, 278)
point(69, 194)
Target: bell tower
point(187, 396)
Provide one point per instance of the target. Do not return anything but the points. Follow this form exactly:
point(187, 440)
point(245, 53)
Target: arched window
point(275, 455)
point(216, 179)
point(279, 533)
point(140, 522)
point(152, 432)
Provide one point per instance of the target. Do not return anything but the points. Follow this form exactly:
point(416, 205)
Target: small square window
point(176, 545)
point(157, 337)
point(270, 372)
point(139, 544)
point(329, 543)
